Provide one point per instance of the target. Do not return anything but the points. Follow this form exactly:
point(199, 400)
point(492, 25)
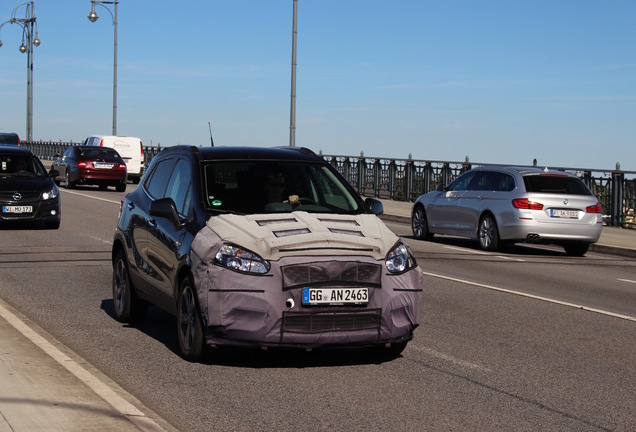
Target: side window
point(461, 183)
point(155, 184)
point(504, 182)
point(483, 181)
point(180, 185)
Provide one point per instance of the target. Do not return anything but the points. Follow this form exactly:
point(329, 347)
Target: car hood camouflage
point(300, 233)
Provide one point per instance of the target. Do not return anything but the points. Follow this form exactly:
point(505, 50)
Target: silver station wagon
point(496, 205)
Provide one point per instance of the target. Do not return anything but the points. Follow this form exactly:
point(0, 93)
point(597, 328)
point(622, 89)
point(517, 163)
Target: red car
point(89, 165)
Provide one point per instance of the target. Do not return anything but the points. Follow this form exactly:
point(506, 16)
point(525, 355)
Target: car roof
point(15, 150)
point(522, 170)
point(246, 153)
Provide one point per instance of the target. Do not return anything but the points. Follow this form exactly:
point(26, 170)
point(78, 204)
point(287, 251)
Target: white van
point(129, 148)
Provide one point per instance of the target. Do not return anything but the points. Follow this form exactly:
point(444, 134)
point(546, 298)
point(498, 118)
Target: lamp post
point(292, 111)
point(27, 23)
point(92, 16)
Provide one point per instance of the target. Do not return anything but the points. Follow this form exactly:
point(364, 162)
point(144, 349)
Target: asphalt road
point(528, 339)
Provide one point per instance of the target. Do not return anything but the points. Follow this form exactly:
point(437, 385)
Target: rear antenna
point(211, 140)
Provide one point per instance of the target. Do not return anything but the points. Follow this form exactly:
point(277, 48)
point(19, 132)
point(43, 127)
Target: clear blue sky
point(501, 81)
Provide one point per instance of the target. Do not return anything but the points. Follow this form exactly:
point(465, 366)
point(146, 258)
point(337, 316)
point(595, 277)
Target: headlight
point(51, 193)
point(398, 260)
point(237, 258)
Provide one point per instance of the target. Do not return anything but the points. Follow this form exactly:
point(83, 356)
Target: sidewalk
point(42, 389)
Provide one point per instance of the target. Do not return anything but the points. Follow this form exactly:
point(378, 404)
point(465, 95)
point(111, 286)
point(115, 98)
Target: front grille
point(7, 196)
point(328, 272)
point(320, 322)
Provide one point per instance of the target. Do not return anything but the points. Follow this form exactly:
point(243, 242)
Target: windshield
point(555, 184)
point(248, 187)
point(21, 165)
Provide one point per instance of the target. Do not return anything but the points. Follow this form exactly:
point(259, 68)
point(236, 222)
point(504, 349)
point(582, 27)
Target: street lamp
point(27, 23)
point(92, 17)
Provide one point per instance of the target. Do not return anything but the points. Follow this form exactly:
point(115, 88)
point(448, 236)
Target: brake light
point(594, 208)
point(526, 204)
point(82, 164)
point(142, 148)
point(101, 143)
point(121, 167)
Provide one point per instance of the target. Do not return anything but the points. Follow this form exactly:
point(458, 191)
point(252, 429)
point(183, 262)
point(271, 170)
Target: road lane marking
point(121, 405)
point(628, 280)
point(89, 196)
point(451, 359)
point(483, 253)
point(532, 296)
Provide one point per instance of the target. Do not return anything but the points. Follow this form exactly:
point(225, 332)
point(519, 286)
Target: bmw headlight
point(237, 258)
point(50, 193)
point(399, 260)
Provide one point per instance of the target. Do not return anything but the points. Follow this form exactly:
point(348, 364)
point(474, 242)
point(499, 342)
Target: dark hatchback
point(9, 139)
point(27, 192)
point(90, 165)
point(262, 247)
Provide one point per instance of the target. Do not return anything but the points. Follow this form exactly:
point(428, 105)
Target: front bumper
point(249, 310)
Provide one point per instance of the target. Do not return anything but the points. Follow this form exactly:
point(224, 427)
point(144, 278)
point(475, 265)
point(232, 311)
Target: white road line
point(546, 299)
point(483, 253)
point(89, 196)
point(120, 404)
point(627, 280)
point(454, 360)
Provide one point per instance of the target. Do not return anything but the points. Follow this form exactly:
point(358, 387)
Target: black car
point(262, 247)
point(9, 138)
point(27, 192)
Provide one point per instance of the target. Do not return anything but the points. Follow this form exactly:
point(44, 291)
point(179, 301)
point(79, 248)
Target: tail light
point(142, 153)
point(121, 167)
point(82, 164)
point(526, 204)
point(594, 208)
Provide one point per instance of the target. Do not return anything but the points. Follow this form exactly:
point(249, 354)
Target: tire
point(576, 249)
point(121, 187)
point(68, 184)
point(189, 328)
point(128, 308)
point(488, 234)
point(419, 225)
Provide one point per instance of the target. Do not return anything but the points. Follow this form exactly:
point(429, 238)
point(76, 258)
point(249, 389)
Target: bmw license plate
point(17, 209)
point(335, 296)
point(568, 214)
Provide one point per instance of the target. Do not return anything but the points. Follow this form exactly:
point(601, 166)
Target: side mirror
point(375, 206)
point(165, 208)
point(440, 188)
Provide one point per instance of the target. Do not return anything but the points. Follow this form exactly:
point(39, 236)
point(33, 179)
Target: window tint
point(155, 184)
point(461, 183)
point(492, 181)
point(180, 185)
point(557, 184)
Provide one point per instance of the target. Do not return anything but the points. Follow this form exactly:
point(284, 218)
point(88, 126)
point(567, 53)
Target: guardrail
point(406, 179)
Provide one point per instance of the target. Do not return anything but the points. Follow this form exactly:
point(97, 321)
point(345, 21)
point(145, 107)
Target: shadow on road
point(163, 327)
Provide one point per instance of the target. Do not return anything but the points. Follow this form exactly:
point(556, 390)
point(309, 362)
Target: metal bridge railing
point(406, 179)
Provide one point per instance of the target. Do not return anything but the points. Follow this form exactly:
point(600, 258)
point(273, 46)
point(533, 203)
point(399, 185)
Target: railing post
point(409, 176)
point(361, 173)
point(617, 196)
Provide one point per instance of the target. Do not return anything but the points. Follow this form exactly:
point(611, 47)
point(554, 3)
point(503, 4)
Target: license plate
point(103, 165)
point(17, 209)
point(335, 296)
point(568, 214)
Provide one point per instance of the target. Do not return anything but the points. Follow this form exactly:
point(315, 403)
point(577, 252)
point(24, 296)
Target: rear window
point(556, 184)
point(9, 138)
